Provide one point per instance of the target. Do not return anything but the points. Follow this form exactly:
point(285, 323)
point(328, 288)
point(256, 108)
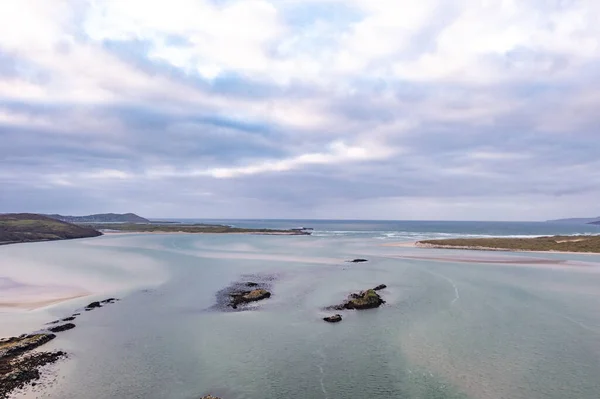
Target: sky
point(354, 109)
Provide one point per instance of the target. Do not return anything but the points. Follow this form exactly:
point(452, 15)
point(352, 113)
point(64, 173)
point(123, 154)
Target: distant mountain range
point(595, 220)
point(102, 218)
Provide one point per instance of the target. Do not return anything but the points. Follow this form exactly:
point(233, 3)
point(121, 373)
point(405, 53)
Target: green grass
point(181, 228)
point(555, 243)
point(23, 227)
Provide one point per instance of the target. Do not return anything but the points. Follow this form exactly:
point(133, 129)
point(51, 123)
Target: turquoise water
point(450, 328)
point(412, 230)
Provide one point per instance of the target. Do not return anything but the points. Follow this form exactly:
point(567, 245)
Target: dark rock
point(92, 306)
point(17, 371)
point(251, 284)
point(368, 299)
point(63, 327)
point(248, 296)
point(54, 322)
point(69, 318)
point(358, 260)
point(76, 314)
point(14, 346)
point(333, 319)
point(209, 397)
point(109, 300)
point(380, 287)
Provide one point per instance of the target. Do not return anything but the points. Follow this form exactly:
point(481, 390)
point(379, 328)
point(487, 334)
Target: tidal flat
point(519, 326)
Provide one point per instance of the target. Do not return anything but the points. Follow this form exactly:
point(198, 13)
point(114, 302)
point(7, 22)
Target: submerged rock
point(359, 260)
point(109, 300)
point(64, 327)
point(69, 318)
point(380, 287)
point(251, 284)
point(333, 319)
point(209, 397)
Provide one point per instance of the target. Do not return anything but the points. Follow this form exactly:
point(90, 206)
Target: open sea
point(457, 324)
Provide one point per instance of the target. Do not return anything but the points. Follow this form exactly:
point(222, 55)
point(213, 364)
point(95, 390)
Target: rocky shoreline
point(20, 363)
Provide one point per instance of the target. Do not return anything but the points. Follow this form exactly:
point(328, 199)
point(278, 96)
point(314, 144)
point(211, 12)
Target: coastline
point(274, 233)
point(417, 244)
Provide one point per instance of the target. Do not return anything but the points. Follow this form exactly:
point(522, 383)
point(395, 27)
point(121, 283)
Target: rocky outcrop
point(17, 367)
point(359, 260)
point(98, 304)
point(17, 372)
point(16, 346)
point(61, 328)
point(248, 296)
point(333, 319)
point(368, 299)
point(380, 287)
point(92, 306)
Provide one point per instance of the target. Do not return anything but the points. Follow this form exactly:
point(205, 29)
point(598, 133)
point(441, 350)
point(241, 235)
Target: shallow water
point(449, 329)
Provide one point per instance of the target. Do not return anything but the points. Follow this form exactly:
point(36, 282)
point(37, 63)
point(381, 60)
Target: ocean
point(456, 324)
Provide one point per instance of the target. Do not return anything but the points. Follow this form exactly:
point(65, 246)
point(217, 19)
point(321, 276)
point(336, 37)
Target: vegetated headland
point(31, 227)
point(155, 227)
point(579, 243)
point(102, 218)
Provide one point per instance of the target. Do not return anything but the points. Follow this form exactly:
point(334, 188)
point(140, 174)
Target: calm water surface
point(448, 330)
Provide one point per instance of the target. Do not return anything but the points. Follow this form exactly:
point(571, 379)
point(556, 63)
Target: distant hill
point(102, 218)
point(597, 223)
point(577, 220)
point(29, 227)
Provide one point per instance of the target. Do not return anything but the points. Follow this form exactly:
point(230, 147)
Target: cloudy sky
point(362, 109)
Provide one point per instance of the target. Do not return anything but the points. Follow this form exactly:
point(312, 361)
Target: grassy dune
point(589, 244)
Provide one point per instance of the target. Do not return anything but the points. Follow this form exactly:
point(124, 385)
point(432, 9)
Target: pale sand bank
point(37, 304)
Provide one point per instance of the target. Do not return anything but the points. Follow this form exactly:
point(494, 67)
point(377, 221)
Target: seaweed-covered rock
point(16, 346)
point(17, 372)
point(64, 327)
point(368, 299)
point(248, 296)
point(256, 295)
point(333, 319)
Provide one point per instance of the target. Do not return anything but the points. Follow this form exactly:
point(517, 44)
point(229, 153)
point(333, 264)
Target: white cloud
point(337, 153)
point(425, 79)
